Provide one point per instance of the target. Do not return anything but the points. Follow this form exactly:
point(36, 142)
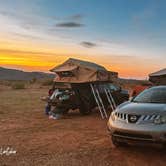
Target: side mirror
point(119, 88)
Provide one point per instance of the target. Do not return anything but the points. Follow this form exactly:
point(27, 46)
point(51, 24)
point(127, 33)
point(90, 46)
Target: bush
point(5, 83)
point(47, 82)
point(18, 85)
point(33, 80)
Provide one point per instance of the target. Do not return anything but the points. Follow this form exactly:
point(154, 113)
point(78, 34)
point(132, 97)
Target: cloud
point(4, 13)
point(71, 24)
point(10, 14)
point(23, 53)
point(72, 21)
point(26, 36)
point(76, 17)
point(88, 44)
point(23, 20)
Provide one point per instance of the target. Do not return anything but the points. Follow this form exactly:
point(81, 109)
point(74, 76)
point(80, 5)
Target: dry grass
point(13, 102)
point(48, 82)
point(18, 86)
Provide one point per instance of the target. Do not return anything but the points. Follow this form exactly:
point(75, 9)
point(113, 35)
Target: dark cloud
point(76, 17)
point(69, 25)
point(88, 44)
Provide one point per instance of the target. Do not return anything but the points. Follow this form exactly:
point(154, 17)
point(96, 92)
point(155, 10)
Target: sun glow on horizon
point(34, 61)
point(38, 35)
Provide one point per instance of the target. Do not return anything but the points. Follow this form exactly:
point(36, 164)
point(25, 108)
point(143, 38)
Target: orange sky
point(38, 56)
point(43, 61)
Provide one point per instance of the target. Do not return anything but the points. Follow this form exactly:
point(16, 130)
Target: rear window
point(66, 74)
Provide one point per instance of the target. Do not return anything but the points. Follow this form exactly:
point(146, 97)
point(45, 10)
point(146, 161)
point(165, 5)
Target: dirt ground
point(75, 140)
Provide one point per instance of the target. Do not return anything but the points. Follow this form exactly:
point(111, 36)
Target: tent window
point(66, 74)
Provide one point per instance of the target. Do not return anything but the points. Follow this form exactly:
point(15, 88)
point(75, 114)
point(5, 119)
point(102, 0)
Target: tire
point(84, 108)
point(66, 111)
point(164, 146)
point(83, 98)
point(117, 143)
point(84, 112)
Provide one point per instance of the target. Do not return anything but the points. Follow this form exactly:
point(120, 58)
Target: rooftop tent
point(79, 71)
point(158, 77)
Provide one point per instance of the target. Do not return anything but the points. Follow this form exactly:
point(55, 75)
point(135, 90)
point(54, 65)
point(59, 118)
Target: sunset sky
point(126, 36)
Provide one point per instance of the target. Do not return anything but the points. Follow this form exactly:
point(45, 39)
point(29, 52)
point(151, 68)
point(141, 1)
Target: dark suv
point(80, 96)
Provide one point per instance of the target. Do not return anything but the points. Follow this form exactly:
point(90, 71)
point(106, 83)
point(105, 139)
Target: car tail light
point(50, 92)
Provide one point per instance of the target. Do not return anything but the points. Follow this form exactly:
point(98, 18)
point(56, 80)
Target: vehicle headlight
point(113, 116)
point(160, 120)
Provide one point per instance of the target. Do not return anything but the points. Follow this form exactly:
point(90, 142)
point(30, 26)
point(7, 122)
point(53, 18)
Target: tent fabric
point(82, 72)
point(158, 73)
point(73, 63)
point(159, 77)
point(65, 68)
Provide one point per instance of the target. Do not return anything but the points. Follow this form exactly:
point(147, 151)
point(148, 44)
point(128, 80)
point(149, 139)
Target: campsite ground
point(75, 140)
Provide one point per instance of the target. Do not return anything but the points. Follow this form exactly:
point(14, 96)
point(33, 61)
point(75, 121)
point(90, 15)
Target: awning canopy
point(159, 77)
point(158, 73)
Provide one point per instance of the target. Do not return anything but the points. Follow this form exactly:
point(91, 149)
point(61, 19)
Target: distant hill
point(132, 81)
point(13, 74)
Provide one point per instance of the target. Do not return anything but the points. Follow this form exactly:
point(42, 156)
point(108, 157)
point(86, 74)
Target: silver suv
point(142, 119)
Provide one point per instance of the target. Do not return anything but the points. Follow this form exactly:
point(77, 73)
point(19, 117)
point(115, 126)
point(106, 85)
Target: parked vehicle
point(80, 96)
point(91, 85)
point(143, 119)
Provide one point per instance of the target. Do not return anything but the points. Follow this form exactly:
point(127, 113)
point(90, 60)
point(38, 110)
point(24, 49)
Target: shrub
point(47, 82)
point(5, 83)
point(18, 85)
point(33, 80)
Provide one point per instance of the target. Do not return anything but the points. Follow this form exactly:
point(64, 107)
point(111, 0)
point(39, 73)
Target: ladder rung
point(99, 101)
point(109, 99)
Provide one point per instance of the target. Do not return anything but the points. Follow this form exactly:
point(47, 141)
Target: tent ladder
point(110, 99)
point(99, 102)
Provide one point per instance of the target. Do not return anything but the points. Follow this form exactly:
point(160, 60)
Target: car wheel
point(117, 143)
point(66, 111)
point(84, 109)
point(85, 106)
point(164, 146)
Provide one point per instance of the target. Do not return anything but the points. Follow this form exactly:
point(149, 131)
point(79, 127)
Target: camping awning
point(158, 73)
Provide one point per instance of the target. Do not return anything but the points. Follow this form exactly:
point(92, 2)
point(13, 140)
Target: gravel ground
point(75, 140)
